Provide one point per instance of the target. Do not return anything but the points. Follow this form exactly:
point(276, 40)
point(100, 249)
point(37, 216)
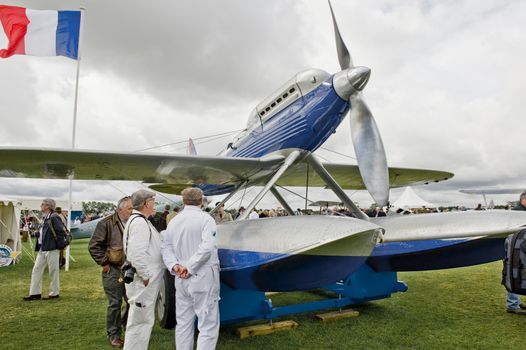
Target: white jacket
point(142, 244)
point(190, 241)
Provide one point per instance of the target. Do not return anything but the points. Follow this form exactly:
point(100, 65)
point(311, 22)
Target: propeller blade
point(369, 150)
point(344, 57)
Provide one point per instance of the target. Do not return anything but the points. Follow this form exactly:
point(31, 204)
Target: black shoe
point(50, 297)
point(522, 306)
point(116, 343)
point(517, 311)
point(33, 297)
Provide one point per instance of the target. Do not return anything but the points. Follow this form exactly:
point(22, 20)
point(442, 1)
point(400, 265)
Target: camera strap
point(50, 224)
point(128, 231)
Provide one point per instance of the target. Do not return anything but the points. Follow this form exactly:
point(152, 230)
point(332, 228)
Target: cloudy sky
point(446, 89)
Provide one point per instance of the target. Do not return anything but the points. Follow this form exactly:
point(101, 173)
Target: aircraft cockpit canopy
point(297, 87)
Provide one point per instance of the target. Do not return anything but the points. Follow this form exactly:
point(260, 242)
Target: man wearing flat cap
point(142, 246)
point(190, 253)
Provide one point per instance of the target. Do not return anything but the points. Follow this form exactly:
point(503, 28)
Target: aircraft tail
point(190, 149)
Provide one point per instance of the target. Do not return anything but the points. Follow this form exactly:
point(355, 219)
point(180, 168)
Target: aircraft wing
point(172, 173)
point(348, 176)
point(155, 168)
point(484, 191)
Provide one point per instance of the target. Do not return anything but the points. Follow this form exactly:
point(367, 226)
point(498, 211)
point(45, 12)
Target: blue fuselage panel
point(305, 124)
point(283, 272)
point(435, 254)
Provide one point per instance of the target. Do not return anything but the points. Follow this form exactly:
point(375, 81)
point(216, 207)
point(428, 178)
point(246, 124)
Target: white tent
point(34, 204)
point(9, 221)
point(409, 199)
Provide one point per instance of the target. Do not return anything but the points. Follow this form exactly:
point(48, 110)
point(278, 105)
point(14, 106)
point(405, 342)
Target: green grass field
point(448, 309)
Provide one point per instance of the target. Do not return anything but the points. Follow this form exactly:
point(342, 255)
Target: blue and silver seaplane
point(352, 256)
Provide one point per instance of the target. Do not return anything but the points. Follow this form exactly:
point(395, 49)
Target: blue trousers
point(512, 300)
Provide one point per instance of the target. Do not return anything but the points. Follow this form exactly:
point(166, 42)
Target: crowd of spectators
point(373, 211)
point(30, 220)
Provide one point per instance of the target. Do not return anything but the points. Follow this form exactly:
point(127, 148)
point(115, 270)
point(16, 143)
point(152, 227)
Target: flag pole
point(74, 130)
point(76, 102)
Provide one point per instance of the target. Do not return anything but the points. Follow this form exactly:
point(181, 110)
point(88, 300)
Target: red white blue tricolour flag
point(40, 33)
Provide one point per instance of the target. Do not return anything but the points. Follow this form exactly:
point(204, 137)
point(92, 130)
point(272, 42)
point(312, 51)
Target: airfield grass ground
point(448, 309)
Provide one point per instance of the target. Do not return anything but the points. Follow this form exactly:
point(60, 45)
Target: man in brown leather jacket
point(106, 249)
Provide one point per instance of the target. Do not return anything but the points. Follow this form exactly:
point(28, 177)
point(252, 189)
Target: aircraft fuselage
point(304, 122)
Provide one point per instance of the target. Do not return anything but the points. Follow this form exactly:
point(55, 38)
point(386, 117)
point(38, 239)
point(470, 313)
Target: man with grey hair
point(105, 247)
point(51, 239)
point(513, 301)
point(142, 246)
point(190, 253)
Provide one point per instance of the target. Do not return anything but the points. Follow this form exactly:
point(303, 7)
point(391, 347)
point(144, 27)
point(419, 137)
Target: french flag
point(40, 33)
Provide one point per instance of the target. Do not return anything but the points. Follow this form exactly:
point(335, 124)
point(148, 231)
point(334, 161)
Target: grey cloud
point(446, 87)
point(184, 55)
point(18, 105)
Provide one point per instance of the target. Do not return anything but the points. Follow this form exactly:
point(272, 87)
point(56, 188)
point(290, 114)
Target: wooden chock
point(263, 329)
point(337, 315)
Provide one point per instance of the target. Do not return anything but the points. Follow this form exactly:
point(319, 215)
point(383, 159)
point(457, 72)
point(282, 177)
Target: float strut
point(291, 158)
point(333, 185)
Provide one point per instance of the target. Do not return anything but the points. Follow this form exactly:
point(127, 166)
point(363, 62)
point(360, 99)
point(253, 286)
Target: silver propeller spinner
point(365, 135)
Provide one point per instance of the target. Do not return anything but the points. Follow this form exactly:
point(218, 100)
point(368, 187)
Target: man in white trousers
point(142, 246)
point(48, 247)
point(190, 253)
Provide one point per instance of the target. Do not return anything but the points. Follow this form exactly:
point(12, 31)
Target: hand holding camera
point(128, 272)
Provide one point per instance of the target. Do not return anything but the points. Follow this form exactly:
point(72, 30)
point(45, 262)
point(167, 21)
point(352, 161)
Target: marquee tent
point(409, 199)
point(9, 221)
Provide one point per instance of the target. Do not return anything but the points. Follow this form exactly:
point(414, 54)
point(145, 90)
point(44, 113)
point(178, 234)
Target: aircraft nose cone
point(350, 81)
point(358, 77)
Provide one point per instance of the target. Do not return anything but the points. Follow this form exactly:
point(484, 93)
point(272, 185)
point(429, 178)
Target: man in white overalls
point(190, 253)
point(142, 246)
